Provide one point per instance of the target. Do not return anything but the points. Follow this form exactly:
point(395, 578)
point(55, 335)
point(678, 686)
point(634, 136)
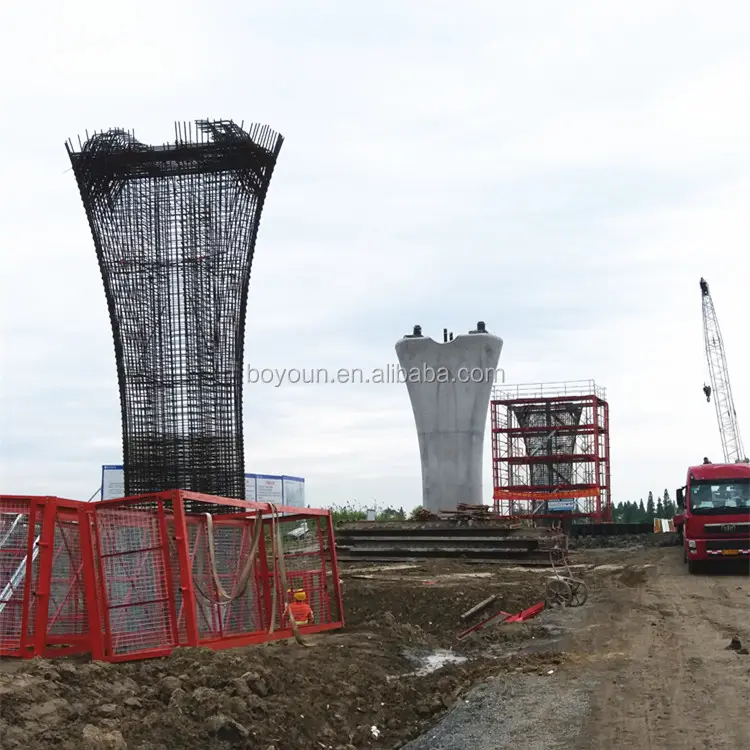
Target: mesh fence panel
point(131, 579)
point(307, 567)
point(134, 579)
point(67, 608)
point(219, 616)
point(14, 539)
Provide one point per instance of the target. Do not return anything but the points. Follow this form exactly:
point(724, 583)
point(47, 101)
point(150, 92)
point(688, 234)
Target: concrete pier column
point(449, 385)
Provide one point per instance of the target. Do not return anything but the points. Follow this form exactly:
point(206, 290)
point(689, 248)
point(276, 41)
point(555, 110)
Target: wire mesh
point(67, 613)
point(133, 578)
point(14, 541)
point(219, 616)
point(139, 609)
point(307, 564)
point(174, 228)
point(175, 572)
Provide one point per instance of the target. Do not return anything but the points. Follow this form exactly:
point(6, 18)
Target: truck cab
point(714, 514)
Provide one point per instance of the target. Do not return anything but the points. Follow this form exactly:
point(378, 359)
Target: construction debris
point(378, 569)
point(526, 614)
point(422, 514)
point(466, 513)
point(479, 607)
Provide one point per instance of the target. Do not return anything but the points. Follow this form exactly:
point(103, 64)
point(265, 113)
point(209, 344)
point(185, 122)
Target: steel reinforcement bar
point(174, 228)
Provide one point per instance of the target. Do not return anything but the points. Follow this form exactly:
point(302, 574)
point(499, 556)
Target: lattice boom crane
point(731, 442)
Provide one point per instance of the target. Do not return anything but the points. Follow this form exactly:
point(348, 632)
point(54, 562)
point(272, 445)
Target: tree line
point(352, 511)
point(632, 512)
point(627, 512)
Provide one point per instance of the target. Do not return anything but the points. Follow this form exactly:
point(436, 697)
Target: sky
point(566, 172)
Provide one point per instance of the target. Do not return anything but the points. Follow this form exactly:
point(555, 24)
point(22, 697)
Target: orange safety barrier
point(663, 525)
point(500, 494)
point(136, 577)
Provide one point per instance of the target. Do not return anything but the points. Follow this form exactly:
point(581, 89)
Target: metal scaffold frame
point(550, 451)
point(174, 227)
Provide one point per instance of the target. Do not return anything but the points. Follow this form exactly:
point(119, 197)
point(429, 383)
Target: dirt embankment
point(354, 689)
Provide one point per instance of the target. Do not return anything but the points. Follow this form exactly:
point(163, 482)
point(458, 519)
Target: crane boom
point(731, 442)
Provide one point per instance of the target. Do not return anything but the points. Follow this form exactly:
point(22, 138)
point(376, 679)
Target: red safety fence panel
point(18, 531)
point(67, 612)
point(235, 609)
point(244, 614)
point(43, 601)
point(136, 577)
point(309, 568)
point(138, 615)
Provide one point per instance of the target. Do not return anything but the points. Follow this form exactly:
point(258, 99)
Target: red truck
point(714, 514)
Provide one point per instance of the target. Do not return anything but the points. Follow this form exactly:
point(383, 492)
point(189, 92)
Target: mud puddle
point(437, 660)
point(429, 662)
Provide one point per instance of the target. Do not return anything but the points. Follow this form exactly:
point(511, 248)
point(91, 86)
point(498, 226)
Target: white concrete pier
point(449, 386)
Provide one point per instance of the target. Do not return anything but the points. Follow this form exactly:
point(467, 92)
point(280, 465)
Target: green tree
point(650, 510)
point(669, 508)
point(630, 514)
point(659, 508)
point(347, 513)
point(642, 514)
point(391, 514)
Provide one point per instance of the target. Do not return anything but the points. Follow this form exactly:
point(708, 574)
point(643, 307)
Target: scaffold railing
point(548, 390)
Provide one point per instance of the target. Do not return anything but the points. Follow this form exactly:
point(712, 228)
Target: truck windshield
point(717, 496)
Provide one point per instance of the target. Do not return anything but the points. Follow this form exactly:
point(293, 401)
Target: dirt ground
point(659, 663)
point(643, 664)
point(649, 663)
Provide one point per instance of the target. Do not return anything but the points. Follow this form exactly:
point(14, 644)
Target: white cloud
point(566, 173)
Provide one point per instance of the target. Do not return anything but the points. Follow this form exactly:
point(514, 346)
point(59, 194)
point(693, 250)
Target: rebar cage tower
point(174, 227)
point(551, 438)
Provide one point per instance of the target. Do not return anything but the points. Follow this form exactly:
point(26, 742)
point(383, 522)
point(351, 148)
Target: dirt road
point(646, 667)
point(663, 675)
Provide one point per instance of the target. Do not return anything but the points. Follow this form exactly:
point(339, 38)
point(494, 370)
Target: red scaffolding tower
point(550, 451)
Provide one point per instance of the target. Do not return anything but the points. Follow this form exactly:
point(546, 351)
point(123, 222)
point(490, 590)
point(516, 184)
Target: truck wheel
point(694, 566)
point(684, 554)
